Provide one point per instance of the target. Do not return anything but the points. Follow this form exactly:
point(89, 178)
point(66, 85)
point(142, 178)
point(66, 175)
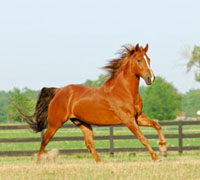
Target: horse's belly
point(96, 114)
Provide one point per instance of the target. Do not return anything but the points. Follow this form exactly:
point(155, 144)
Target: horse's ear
point(137, 47)
point(146, 47)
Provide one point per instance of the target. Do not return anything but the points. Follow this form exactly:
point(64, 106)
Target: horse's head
point(135, 58)
point(141, 64)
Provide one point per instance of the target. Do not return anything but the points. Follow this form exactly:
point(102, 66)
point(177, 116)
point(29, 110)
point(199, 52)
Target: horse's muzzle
point(149, 79)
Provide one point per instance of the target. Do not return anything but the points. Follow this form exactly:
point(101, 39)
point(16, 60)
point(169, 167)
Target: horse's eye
point(139, 60)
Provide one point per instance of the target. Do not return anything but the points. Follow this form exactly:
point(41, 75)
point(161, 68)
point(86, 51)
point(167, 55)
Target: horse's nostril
point(148, 79)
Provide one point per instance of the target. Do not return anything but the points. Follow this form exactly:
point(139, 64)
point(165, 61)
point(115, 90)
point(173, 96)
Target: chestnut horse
point(116, 102)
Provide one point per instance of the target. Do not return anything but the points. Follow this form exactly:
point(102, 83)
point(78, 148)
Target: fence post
point(180, 138)
point(111, 141)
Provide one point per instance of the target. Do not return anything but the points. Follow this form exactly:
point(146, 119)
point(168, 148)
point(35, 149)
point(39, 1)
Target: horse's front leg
point(143, 120)
point(132, 125)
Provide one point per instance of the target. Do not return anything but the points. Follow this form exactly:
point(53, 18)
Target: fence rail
point(180, 136)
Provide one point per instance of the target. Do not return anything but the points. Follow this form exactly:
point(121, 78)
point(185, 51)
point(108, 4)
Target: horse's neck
point(127, 81)
point(133, 84)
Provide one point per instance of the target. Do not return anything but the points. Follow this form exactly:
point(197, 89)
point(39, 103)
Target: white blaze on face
point(152, 75)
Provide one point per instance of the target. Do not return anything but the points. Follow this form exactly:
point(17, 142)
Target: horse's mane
point(115, 64)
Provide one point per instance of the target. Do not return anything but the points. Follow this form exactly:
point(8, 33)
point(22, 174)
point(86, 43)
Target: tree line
point(161, 100)
point(25, 98)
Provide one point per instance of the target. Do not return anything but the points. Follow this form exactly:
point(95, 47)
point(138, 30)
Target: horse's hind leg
point(56, 118)
point(58, 113)
point(89, 139)
point(143, 120)
point(132, 125)
point(51, 130)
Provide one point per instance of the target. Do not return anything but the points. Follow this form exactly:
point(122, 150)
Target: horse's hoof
point(98, 161)
point(38, 161)
point(158, 160)
point(164, 153)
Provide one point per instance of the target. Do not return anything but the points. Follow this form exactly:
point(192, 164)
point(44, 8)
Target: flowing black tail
point(38, 121)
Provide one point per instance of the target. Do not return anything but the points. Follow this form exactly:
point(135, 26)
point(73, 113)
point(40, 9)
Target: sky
point(60, 42)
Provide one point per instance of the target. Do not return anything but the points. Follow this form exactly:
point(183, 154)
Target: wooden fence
point(180, 136)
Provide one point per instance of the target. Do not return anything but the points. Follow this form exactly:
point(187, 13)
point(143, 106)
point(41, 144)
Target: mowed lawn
point(100, 131)
point(122, 166)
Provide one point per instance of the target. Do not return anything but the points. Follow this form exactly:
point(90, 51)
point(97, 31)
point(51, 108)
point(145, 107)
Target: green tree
point(161, 100)
point(96, 83)
point(194, 61)
point(24, 99)
point(3, 106)
point(191, 102)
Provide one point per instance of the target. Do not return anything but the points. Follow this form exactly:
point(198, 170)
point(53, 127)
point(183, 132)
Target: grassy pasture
point(102, 131)
point(123, 166)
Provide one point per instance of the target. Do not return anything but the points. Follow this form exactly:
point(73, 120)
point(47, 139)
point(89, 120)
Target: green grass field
point(101, 131)
point(123, 166)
